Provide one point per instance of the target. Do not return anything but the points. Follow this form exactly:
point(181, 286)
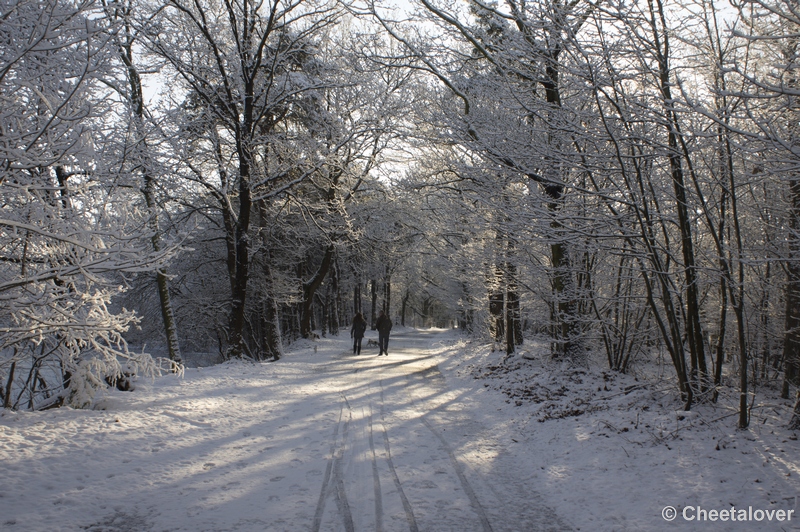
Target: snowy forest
point(614, 181)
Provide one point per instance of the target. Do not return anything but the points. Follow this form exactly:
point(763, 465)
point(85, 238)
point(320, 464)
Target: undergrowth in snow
point(615, 449)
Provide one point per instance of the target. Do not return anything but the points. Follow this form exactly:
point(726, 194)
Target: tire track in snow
point(412, 522)
point(375, 478)
point(332, 481)
point(315, 527)
point(338, 477)
point(376, 481)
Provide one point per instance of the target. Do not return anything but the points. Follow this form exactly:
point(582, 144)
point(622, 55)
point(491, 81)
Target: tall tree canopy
point(604, 181)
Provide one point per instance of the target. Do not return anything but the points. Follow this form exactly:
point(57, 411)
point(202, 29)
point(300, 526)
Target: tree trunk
point(336, 299)
point(403, 307)
point(566, 341)
point(356, 297)
point(566, 324)
point(794, 423)
point(374, 293)
point(720, 344)
point(496, 311)
point(694, 332)
point(273, 343)
point(511, 322)
point(497, 299)
point(236, 343)
point(149, 193)
point(162, 282)
point(9, 384)
point(387, 292)
point(310, 288)
point(699, 372)
point(513, 318)
point(325, 319)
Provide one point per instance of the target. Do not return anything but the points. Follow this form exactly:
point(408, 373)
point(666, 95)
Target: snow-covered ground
point(440, 435)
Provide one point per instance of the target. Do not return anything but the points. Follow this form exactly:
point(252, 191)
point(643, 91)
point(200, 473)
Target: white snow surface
point(441, 435)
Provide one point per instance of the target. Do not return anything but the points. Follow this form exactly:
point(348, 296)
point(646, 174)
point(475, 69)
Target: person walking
point(384, 325)
point(357, 332)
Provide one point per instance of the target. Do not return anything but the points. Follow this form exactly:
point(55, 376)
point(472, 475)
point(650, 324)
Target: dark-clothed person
point(357, 332)
point(384, 325)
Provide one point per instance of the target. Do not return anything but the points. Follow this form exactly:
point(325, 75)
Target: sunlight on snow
point(558, 472)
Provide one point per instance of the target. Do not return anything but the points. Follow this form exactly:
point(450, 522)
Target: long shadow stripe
point(412, 522)
point(430, 374)
point(473, 499)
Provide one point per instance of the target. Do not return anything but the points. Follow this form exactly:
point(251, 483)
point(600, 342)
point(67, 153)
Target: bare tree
point(128, 16)
point(244, 65)
point(67, 230)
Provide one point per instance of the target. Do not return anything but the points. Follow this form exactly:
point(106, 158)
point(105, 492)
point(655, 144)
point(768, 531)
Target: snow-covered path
point(408, 454)
point(320, 441)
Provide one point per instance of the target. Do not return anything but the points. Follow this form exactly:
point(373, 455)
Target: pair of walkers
point(384, 326)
